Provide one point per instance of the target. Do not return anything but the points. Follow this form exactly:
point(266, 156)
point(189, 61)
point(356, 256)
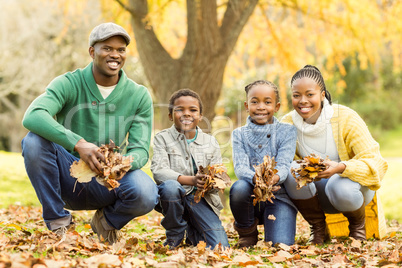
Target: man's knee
point(33, 144)
point(141, 191)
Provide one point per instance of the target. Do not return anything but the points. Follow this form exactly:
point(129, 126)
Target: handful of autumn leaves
point(216, 177)
point(264, 180)
point(113, 169)
point(308, 169)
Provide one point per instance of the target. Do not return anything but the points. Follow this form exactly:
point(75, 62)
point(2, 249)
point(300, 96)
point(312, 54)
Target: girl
point(355, 168)
point(178, 151)
point(262, 135)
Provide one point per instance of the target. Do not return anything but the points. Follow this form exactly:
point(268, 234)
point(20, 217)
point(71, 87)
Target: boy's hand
point(90, 154)
point(199, 180)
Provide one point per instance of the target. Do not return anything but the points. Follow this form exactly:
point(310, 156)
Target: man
point(79, 111)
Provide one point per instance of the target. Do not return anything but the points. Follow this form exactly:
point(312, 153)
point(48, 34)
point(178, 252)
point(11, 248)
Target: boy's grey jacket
point(172, 158)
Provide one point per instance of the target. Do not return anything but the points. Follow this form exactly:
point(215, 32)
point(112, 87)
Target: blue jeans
point(48, 164)
point(336, 194)
point(183, 214)
point(281, 230)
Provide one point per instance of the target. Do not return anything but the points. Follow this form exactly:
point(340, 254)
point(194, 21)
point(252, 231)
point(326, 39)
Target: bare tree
point(38, 41)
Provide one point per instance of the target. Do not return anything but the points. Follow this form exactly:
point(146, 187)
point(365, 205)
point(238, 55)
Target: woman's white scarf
point(320, 126)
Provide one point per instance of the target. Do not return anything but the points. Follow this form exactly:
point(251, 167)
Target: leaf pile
point(308, 169)
point(26, 242)
point(264, 184)
point(216, 177)
point(113, 169)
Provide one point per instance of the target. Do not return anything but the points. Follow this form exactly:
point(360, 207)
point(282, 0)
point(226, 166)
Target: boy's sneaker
point(105, 232)
point(172, 243)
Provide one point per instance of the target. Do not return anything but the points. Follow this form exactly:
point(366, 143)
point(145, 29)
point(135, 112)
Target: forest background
point(214, 47)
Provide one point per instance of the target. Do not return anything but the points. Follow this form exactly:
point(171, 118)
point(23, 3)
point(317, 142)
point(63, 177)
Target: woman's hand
point(332, 168)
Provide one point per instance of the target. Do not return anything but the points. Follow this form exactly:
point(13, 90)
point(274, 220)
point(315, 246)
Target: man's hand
point(90, 154)
point(332, 168)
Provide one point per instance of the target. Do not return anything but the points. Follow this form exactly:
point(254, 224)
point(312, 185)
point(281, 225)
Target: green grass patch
point(15, 184)
point(390, 191)
point(391, 143)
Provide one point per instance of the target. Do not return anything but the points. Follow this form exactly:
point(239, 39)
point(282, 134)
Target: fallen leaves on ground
point(113, 169)
point(216, 177)
point(308, 170)
point(25, 242)
point(264, 184)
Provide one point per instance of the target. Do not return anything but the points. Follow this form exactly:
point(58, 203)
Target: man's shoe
point(61, 231)
point(105, 232)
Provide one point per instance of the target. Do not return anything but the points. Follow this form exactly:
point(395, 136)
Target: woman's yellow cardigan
point(364, 163)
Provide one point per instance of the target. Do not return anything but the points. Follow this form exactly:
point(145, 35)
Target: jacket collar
point(177, 135)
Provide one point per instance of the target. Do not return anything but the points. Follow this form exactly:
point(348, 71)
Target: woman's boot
point(247, 236)
point(315, 216)
point(357, 223)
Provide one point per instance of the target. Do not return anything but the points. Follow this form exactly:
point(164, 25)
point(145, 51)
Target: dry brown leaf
point(216, 177)
point(113, 169)
point(264, 184)
point(308, 170)
point(81, 171)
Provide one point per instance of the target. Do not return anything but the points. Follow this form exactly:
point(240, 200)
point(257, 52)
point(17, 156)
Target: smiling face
point(307, 97)
point(261, 104)
point(108, 57)
point(186, 115)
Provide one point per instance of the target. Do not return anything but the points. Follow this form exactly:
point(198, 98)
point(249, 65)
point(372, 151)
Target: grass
point(16, 187)
point(391, 143)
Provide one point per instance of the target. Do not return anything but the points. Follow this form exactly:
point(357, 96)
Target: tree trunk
point(202, 64)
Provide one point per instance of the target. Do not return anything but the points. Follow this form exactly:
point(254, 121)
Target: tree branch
point(124, 6)
point(236, 16)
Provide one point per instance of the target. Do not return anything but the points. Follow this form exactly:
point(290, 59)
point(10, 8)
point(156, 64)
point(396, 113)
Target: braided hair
point(264, 82)
point(315, 74)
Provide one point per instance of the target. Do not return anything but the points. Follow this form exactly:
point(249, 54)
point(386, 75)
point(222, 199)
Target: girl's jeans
point(183, 214)
point(48, 167)
point(336, 194)
point(280, 230)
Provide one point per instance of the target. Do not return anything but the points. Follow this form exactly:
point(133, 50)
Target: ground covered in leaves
point(25, 242)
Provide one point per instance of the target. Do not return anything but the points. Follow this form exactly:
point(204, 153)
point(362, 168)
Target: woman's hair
point(183, 93)
point(315, 74)
point(264, 82)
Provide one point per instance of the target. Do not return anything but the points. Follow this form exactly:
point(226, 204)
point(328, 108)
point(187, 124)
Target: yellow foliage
point(283, 36)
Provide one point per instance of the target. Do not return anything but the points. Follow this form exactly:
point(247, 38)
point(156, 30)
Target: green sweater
point(72, 108)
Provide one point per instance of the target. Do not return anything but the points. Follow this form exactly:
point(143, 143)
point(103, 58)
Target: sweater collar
point(93, 87)
point(264, 128)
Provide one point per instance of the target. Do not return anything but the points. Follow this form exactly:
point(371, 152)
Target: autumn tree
point(280, 37)
point(209, 44)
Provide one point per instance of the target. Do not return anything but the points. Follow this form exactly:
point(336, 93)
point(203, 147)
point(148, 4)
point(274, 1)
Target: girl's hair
point(315, 74)
point(183, 93)
point(264, 82)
